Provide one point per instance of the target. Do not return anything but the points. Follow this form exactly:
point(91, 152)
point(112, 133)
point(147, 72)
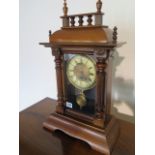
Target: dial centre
point(81, 71)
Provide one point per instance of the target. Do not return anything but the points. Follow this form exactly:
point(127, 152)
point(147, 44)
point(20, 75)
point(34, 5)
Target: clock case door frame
point(103, 56)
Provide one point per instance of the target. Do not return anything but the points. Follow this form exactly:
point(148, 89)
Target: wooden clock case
point(101, 130)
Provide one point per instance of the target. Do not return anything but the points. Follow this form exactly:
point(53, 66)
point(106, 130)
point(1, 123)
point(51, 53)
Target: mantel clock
point(83, 57)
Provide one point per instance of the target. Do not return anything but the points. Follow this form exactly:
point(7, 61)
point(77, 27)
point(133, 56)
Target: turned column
point(101, 65)
point(58, 67)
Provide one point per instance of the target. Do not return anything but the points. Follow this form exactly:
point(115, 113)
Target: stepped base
point(101, 140)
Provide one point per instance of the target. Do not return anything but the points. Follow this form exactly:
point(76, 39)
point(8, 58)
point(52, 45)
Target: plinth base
point(101, 140)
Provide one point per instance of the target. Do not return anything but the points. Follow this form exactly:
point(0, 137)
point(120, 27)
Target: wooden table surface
point(34, 140)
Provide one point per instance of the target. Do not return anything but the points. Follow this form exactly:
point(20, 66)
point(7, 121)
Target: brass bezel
point(76, 86)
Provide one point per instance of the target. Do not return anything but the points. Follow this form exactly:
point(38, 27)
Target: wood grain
point(34, 140)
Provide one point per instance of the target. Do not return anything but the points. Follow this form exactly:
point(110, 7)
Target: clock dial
point(81, 72)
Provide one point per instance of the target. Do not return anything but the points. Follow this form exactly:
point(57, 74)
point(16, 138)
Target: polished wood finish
point(65, 8)
point(95, 40)
point(83, 45)
point(79, 116)
point(85, 26)
point(89, 20)
point(72, 21)
point(100, 83)
point(58, 65)
point(102, 140)
point(81, 20)
point(86, 36)
point(50, 33)
point(83, 14)
point(108, 91)
point(97, 15)
point(115, 34)
point(34, 140)
point(102, 55)
point(99, 6)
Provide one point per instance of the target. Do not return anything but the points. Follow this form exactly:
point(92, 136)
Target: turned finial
point(115, 34)
point(50, 32)
point(99, 6)
point(65, 8)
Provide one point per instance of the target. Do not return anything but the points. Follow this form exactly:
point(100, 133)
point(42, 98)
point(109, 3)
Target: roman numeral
point(86, 62)
point(90, 80)
point(72, 64)
point(71, 76)
point(91, 74)
point(76, 61)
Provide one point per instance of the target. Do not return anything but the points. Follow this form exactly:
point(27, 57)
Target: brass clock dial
point(81, 72)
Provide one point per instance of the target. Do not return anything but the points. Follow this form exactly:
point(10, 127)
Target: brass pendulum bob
point(81, 100)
